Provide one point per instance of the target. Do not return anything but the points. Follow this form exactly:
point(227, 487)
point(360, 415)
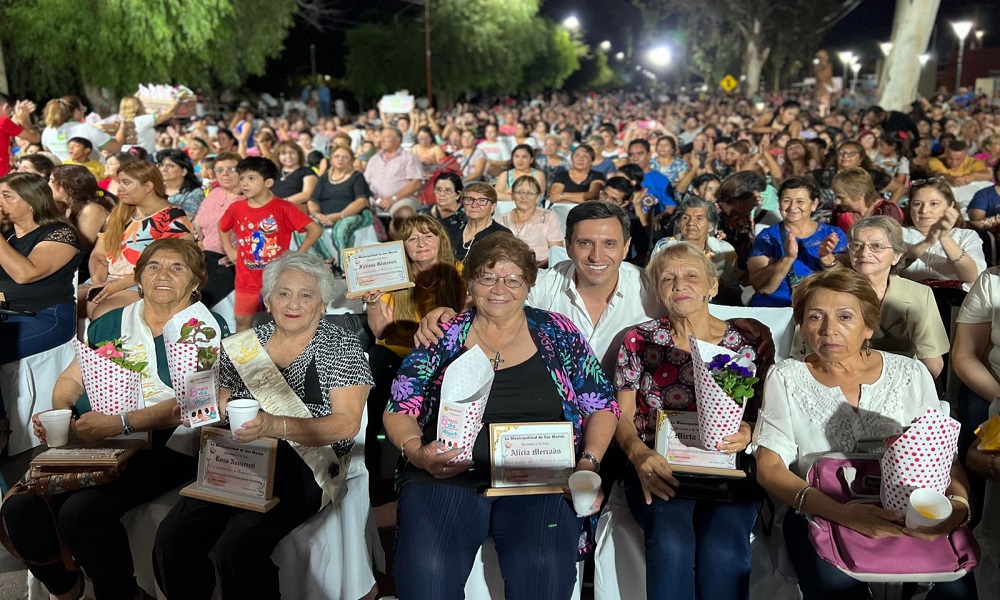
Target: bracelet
point(968, 508)
point(402, 447)
point(586, 455)
point(831, 265)
point(284, 427)
point(800, 498)
point(960, 257)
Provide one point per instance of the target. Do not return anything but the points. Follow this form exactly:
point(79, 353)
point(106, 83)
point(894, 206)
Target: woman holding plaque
point(694, 547)
point(544, 371)
point(844, 391)
point(88, 521)
point(311, 378)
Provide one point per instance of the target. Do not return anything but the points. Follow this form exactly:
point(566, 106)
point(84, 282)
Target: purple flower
point(740, 370)
point(718, 362)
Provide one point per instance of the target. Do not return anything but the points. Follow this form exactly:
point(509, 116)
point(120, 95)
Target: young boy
point(79, 149)
point(263, 225)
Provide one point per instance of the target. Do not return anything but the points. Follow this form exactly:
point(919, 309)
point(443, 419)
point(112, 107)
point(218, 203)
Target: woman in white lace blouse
point(841, 393)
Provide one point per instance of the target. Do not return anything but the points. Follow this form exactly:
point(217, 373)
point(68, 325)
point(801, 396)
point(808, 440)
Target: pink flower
point(193, 322)
point(109, 351)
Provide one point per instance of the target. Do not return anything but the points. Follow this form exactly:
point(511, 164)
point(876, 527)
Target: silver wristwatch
point(127, 428)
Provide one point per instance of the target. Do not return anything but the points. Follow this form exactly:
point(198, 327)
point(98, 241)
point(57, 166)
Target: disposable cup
point(927, 508)
point(56, 424)
point(241, 411)
point(583, 486)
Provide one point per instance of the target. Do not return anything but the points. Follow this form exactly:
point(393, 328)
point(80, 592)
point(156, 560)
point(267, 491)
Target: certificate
point(531, 458)
point(200, 404)
point(378, 267)
point(240, 475)
point(677, 439)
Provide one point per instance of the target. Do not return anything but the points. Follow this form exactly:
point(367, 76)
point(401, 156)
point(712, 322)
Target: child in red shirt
point(263, 225)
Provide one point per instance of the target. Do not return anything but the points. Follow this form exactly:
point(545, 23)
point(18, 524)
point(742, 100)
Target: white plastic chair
point(778, 320)
point(27, 389)
point(503, 207)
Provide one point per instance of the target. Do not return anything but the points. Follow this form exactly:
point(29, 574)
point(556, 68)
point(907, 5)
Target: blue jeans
point(21, 337)
point(694, 548)
point(819, 580)
point(442, 526)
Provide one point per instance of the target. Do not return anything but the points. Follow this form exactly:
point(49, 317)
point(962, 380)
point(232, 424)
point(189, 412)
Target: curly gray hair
point(304, 263)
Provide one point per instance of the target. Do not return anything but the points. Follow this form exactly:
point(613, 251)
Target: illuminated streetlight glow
point(620, 56)
point(962, 29)
point(659, 56)
point(845, 57)
point(571, 22)
point(886, 48)
point(923, 59)
point(606, 45)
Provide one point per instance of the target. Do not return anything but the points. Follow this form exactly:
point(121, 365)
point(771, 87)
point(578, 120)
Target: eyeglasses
point(875, 247)
point(440, 191)
point(224, 170)
point(525, 194)
point(511, 281)
point(928, 181)
point(848, 152)
point(470, 200)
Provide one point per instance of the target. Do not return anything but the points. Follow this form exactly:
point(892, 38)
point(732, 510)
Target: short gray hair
point(309, 264)
point(892, 229)
point(395, 130)
point(711, 212)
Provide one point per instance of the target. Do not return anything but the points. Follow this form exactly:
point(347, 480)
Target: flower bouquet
point(192, 359)
point(112, 376)
point(919, 458)
point(721, 387)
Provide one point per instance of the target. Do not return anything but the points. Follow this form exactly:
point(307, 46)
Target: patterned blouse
point(661, 374)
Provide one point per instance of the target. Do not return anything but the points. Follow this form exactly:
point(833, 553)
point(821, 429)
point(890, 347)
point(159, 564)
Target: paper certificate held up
point(464, 392)
point(677, 439)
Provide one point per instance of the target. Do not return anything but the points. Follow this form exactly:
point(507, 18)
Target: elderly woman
point(479, 202)
point(581, 182)
point(393, 317)
point(698, 225)
point(447, 198)
point(694, 548)
point(538, 227)
point(142, 216)
point(340, 203)
point(857, 198)
point(182, 185)
point(314, 409)
point(522, 164)
point(549, 160)
point(545, 371)
point(296, 181)
point(39, 255)
point(842, 392)
point(939, 251)
point(786, 252)
point(88, 522)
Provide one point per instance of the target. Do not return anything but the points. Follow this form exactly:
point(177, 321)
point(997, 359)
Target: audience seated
point(84, 204)
point(538, 227)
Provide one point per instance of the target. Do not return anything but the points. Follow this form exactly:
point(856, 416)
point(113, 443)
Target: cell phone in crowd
point(93, 292)
point(701, 159)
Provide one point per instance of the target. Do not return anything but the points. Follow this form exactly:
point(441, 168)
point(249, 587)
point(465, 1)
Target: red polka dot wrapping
point(920, 458)
point(465, 390)
point(719, 415)
point(111, 389)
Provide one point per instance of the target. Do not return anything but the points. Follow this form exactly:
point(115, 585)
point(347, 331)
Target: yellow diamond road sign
point(729, 83)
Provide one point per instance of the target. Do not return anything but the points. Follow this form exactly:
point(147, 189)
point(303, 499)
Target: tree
point(912, 26)
point(559, 58)
point(118, 44)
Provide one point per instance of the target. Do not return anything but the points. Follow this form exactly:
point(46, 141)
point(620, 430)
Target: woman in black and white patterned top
point(326, 368)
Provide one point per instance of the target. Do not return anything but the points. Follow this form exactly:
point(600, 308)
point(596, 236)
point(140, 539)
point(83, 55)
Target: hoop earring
point(867, 347)
point(141, 293)
point(196, 295)
point(804, 349)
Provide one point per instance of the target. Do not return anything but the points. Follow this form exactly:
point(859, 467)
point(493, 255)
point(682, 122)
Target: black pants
point(221, 280)
point(242, 540)
point(384, 364)
point(89, 523)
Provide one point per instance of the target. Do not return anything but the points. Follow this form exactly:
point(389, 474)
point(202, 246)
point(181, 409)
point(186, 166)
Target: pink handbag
point(849, 478)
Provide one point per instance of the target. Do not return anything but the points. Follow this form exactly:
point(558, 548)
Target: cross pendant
point(496, 362)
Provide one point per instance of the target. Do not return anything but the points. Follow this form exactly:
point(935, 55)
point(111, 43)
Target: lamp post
point(856, 67)
point(845, 57)
point(659, 56)
point(962, 29)
point(979, 38)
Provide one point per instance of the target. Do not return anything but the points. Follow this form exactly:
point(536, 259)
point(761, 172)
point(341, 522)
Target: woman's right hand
point(110, 289)
point(871, 521)
point(430, 332)
point(431, 458)
point(655, 475)
point(38, 428)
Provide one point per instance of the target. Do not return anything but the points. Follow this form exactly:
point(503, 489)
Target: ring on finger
point(649, 475)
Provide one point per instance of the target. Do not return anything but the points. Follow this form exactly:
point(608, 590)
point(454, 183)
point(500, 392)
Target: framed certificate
point(381, 267)
point(677, 440)
point(240, 475)
point(531, 458)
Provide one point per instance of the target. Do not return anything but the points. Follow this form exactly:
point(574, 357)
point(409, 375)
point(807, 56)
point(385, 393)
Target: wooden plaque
point(240, 475)
point(531, 458)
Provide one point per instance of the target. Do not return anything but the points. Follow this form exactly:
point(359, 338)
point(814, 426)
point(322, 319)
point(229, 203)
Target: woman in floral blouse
point(544, 371)
point(694, 548)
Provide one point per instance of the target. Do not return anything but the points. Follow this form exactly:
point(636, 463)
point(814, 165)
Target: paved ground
point(13, 575)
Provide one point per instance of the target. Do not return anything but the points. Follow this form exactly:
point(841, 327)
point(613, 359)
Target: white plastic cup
point(583, 486)
point(241, 411)
point(56, 424)
point(927, 509)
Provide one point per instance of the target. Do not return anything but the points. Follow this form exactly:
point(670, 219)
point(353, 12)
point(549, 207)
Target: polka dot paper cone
point(111, 389)
point(182, 359)
point(718, 415)
point(920, 458)
point(464, 392)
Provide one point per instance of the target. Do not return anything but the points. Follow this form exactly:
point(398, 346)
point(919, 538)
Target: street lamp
point(606, 45)
point(571, 23)
point(845, 57)
point(962, 29)
point(856, 67)
point(659, 56)
point(886, 48)
point(620, 56)
point(979, 37)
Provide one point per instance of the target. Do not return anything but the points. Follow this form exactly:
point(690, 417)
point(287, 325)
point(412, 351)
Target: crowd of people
point(579, 242)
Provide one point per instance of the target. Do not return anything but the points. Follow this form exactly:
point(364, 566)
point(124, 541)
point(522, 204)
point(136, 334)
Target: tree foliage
point(477, 46)
point(117, 44)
